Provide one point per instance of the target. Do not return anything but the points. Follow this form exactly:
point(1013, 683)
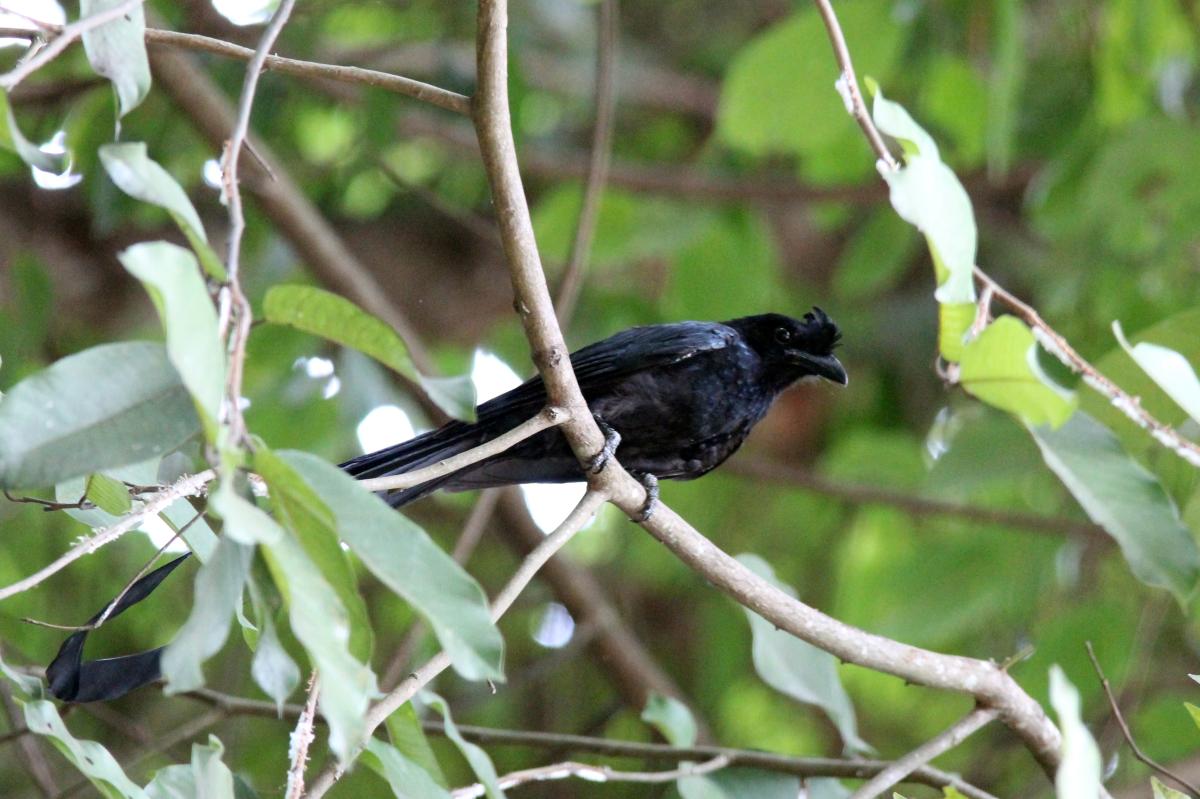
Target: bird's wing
point(607, 362)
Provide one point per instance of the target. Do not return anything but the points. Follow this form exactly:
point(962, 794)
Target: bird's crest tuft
point(823, 333)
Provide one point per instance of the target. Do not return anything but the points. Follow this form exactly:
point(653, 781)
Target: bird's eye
point(783, 335)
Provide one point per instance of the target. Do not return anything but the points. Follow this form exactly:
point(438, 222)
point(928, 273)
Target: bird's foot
point(650, 483)
point(612, 440)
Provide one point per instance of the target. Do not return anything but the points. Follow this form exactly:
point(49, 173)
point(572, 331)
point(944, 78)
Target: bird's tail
point(416, 453)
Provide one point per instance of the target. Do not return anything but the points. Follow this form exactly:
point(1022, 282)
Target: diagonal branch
point(66, 35)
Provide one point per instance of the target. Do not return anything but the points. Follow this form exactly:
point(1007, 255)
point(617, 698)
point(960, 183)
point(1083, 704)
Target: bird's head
point(797, 348)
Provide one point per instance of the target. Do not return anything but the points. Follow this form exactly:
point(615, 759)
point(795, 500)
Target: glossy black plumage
point(683, 397)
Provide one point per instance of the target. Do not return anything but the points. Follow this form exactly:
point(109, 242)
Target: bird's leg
point(650, 483)
point(612, 440)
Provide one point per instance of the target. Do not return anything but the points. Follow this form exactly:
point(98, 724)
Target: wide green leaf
point(335, 318)
point(403, 556)
point(1126, 500)
point(406, 779)
point(104, 407)
point(217, 593)
point(172, 277)
point(1078, 774)
point(139, 176)
point(1166, 367)
point(1001, 368)
point(117, 51)
point(799, 669)
point(671, 718)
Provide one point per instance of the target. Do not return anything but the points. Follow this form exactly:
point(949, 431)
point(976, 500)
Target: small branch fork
point(65, 36)
point(1125, 731)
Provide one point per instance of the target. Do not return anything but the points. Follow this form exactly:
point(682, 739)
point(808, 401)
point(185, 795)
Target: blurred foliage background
point(738, 185)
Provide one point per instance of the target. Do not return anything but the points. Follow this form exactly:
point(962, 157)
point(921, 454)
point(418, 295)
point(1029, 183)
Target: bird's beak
point(826, 366)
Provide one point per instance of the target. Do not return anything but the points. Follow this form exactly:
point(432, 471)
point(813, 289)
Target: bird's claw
point(612, 440)
point(650, 483)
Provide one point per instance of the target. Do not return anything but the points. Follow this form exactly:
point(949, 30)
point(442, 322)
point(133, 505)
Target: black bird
point(679, 399)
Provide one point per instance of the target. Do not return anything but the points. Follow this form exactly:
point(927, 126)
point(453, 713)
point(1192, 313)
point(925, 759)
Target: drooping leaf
point(90, 758)
point(218, 591)
point(104, 407)
point(313, 524)
point(205, 777)
point(402, 555)
point(141, 177)
point(406, 779)
point(272, 668)
point(335, 318)
point(117, 51)
point(171, 275)
point(478, 759)
point(1079, 772)
point(12, 139)
point(1000, 367)
point(929, 195)
point(407, 735)
point(1126, 500)
point(1166, 367)
point(670, 717)
point(799, 669)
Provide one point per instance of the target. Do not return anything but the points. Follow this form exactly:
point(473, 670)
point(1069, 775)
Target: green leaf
point(335, 318)
point(107, 494)
point(1126, 500)
point(108, 406)
point(734, 783)
point(139, 176)
point(407, 735)
point(1170, 370)
point(875, 257)
point(314, 526)
point(826, 788)
point(205, 777)
point(954, 320)
point(245, 522)
point(272, 668)
point(1079, 772)
point(778, 95)
point(1000, 367)
point(927, 193)
point(117, 51)
point(12, 139)
point(172, 277)
point(405, 559)
point(216, 594)
point(93, 760)
point(406, 779)
point(670, 717)
point(797, 668)
point(1005, 83)
point(1194, 712)
point(1165, 792)
point(478, 759)
point(26, 687)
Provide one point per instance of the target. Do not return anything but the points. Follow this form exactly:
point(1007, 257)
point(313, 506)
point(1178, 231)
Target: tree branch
point(593, 773)
point(66, 35)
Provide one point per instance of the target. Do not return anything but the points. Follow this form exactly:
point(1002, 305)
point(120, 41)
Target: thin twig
point(593, 773)
point(83, 503)
point(184, 487)
point(67, 35)
point(1125, 731)
point(302, 736)
point(807, 480)
point(925, 753)
point(848, 86)
point(752, 758)
point(546, 418)
point(1127, 404)
point(408, 688)
point(607, 41)
point(232, 293)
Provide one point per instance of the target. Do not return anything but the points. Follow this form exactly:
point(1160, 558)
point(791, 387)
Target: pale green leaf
point(1194, 712)
point(139, 176)
point(335, 318)
point(117, 51)
point(406, 779)
point(107, 494)
point(172, 277)
point(205, 777)
point(217, 592)
point(1162, 791)
point(11, 138)
point(403, 556)
point(1166, 367)
point(797, 668)
point(408, 737)
point(1126, 500)
point(1079, 772)
point(671, 718)
point(108, 406)
point(245, 522)
point(272, 668)
point(478, 759)
point(90, 758)
point(1000, 367)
